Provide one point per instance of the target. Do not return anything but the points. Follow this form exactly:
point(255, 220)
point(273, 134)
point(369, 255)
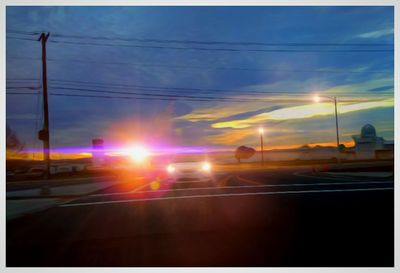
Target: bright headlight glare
point(206, 166)
point(170, 168)
point(138, 153)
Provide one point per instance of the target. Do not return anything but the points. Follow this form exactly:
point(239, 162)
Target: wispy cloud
point(376, 34)
point(301, 112)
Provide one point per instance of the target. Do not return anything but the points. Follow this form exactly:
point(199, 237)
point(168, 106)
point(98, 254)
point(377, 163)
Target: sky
point(201, 76)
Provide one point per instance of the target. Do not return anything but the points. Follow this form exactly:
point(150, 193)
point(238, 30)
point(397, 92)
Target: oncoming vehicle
point(194, 169)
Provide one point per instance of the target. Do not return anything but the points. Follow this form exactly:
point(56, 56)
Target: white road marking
point(245, 186)
point(140, 187)
point(220, 195)
point(320, 177)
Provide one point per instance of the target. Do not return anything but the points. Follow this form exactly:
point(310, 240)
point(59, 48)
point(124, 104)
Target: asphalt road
point(276, 217)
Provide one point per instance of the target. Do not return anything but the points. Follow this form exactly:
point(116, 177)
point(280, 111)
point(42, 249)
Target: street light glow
point(261, 130)
point(317, 98)
point(170, 168)
point(206, 166)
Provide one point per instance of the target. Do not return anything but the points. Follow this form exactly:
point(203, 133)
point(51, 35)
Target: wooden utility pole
point(44, 134)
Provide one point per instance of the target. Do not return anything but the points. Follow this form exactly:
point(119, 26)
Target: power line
point(21, 118)
point(174, 41)
point(23, 32)
point(219, 49)
point(19, 38)
point(158, 88)
point(23, 87)
point(148, 88)
point(21, 93)
point(222, 49)
point(160, 95)
point(216, 68)
point(169, 97)
point(22, 79)
point(173, 89)
point(211, 49)
point(177, 96)
point(175, 99)
point(179, 41)
point(120, 97)
point(208, 67)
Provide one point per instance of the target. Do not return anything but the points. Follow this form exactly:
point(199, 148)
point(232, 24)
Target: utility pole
point(334, 99)
point(44, 134)
point(337, 129)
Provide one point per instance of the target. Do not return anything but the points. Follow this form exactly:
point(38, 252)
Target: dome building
point(367, 142)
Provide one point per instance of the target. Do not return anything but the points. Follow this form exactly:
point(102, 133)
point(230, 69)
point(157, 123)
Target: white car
point(190, 171)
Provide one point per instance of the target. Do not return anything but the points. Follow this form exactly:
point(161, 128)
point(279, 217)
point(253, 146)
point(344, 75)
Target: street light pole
point(337, 130)
point(337, 126)
point(261, 131)
point(317, 99)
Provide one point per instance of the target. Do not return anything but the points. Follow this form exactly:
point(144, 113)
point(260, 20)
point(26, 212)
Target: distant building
point(368, 145)
point(387, 152)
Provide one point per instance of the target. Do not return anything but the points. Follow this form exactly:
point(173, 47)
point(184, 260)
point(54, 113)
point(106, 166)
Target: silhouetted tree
point(13, 144)
point(244, 152)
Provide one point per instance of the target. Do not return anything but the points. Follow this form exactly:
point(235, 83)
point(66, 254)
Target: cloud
point(231, 137)
point(249, 136)
point(376, 34)
point(302, 112)
point(382, 88)
point(221, 111)
point(359, 88)
point(248, 114)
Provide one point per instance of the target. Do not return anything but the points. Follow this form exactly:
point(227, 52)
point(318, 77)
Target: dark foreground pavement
point(262, 219)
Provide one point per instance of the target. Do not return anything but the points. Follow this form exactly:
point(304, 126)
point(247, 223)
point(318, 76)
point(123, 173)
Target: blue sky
point(269, 89)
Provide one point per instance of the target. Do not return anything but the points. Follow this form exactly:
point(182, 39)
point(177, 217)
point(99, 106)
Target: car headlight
point(170, 169)
point(206, 166)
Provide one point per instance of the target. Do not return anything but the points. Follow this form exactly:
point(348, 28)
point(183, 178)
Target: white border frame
point(200, 3)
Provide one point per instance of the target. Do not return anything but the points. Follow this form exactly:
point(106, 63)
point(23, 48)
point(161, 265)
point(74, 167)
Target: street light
point(317, 99)
point(261, 132)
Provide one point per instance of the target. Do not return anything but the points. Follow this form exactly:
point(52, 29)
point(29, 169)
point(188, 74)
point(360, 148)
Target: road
point(275, 217)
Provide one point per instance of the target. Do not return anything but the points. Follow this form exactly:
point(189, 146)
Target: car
point(35, 172)
point(190, 171)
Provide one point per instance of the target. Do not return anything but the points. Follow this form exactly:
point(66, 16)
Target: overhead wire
point(183, 41)
point(220, 49)
point(177, 66)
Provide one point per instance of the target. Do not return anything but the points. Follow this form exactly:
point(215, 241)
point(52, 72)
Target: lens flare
point(155, 184)
point(206, 166)
point(138, 153)
point(170, 169)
